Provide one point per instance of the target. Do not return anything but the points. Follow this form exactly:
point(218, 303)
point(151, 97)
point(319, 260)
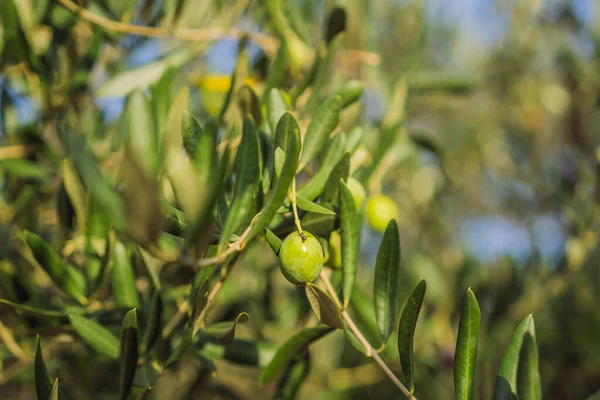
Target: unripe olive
point(358, 192)
point(335, 250)
point(380, 211)
point(301, 260)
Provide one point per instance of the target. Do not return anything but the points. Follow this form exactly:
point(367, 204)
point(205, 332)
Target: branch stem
point(370, 350)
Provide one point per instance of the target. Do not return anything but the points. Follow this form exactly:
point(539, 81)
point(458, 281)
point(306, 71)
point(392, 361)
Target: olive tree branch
point(370, 350)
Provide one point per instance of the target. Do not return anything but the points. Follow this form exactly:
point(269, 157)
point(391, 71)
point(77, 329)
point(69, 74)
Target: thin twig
point(370, 350)
point(268, 43)
point(295, 209)
point(11, 343)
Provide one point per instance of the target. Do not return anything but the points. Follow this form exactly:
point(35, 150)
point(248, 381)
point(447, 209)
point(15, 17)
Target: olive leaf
point(276, 106)
point(124, 278)
point(96, 336)
point(128, 353)
point(528, 374)
point(321, 125)
point(324, 307)
point(349, 233)
point(406, 332)
point(466, 347)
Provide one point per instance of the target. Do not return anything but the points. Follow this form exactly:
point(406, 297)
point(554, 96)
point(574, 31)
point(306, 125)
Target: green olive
point(335, 250)
point(380, 211)
point(358, 192)
point(301, 260)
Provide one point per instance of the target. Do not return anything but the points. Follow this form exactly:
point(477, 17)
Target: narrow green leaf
point(247, 176)
point(224, 332)
point(506, 380)
point(96, 336)
point(160, 99)
point(387, 279)
point(128, 354)
point(68, 278)
point(172, 140)
point(145, 376)
point(319, 224)
point(406, 332)
point(287, 127)
point(34, 310)
point(355, 342)
point(25, 169)
point(466, 347)
point(324, 306)
point(124, 278)
point(141, 135)
point(529, 386)
point(276, 106)
point(322, 124)
point(292, 378)
point(308, 205)
point(206, 159)
point(332, 187)
point(334, 153)
point(153, 323)
point(349, 232)
point(290, 349)
point(43, 384)
point(322, 73)
point(273, 240)
point(350, 92)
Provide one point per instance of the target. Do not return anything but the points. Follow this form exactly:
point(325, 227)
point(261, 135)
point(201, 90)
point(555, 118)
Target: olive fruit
point(358, 192)
point(335, 250)
point(380, 211)
point(301, 260)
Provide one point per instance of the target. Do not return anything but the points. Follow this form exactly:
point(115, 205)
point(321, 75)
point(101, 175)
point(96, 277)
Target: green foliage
point(167, 221)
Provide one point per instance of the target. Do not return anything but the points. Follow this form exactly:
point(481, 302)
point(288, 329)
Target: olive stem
point(370, 350)
point(295, 209)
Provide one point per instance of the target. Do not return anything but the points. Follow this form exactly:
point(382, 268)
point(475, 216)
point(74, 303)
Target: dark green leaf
point(319, 224)
point(354, 341)
point(96, 336)
point(124, 278)
point(322, 124)
point(292, 378)
point(349, 231)
point(240, 351)
point(287, 127)
point(128, 352)
point(466, 347)
point(324, 307)
point(153, 323)
point(64, 275)
point(336, 23)
point(290, 349)
point(387, 279)
point(43, 384)
point(506, 380)
point(224, 332)
point(529, 386)
point(406, 332)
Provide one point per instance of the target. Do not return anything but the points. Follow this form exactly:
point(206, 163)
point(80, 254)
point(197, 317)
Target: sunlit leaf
point(77, 195)
point(321, 125)
point(350, 92)
point(386, 282)
point(276, 106)
point(506, 380)
point(340, 171)
point(308, 205)
point(324, 307)
point(466, 347)
point(406, 332)
point(96, 336)
point(529, 386)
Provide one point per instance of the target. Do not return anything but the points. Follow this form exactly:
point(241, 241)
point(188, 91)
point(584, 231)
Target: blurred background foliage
point(481, 119)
